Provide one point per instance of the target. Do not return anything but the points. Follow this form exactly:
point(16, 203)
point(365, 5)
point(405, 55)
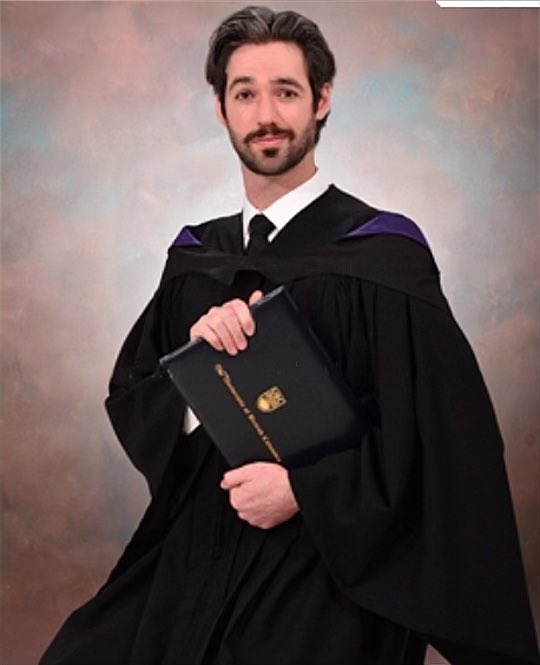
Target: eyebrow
point(280, 80)
point(286, 80)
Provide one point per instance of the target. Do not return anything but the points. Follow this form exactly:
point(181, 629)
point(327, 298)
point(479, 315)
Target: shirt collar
point(285, 208)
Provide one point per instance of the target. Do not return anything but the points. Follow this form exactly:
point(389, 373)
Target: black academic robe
point(406, 538)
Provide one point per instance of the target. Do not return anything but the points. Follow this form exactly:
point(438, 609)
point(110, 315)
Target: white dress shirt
point(285, 208)
point(279, 213)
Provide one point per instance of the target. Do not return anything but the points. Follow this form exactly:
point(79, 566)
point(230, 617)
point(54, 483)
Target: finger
point(228, 482)
point(235, 477)
point(234, 326)
point(235, 499)
point(202, 331)
point(227, 322)
point(255, 297)
point(244, 316)
point(224, 334)
point(225, 327)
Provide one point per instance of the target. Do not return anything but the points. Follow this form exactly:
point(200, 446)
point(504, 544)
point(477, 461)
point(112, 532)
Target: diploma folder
point(282, 399)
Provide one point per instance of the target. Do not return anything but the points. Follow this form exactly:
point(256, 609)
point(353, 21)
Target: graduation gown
point(406, 538)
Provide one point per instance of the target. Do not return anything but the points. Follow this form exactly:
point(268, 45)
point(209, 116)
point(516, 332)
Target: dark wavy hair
point(260, 25)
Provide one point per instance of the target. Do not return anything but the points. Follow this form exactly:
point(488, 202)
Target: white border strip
point(532, 4)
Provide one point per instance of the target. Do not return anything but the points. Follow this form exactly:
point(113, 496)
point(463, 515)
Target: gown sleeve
point(145, 409)
point(416, 523)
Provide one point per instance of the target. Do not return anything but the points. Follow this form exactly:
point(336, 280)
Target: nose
point(267, 112)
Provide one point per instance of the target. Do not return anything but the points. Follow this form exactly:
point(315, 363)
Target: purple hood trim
point(391, 223)
point(186, 239)
point(383, 223)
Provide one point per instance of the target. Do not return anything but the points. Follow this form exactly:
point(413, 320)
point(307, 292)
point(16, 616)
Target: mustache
point(268, 130)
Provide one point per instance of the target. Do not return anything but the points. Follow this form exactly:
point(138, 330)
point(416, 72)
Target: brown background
point(109, 146)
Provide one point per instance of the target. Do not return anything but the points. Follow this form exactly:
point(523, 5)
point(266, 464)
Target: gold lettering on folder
point(270, 400)
point(227, 382)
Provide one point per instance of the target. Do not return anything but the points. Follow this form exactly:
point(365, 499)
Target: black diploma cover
point(282, 399)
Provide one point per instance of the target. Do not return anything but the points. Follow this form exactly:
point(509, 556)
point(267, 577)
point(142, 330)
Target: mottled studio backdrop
point(109, 146)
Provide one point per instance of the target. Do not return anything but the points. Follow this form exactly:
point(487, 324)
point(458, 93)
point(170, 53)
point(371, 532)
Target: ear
point(323, 107)
point(219, 112)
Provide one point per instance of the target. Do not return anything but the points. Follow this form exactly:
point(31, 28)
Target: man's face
point(269, 107)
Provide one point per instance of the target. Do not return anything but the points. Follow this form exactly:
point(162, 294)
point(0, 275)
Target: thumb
point(255, 297)
point(233, 478)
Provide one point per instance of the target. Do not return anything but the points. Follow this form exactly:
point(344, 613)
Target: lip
point(269, 140)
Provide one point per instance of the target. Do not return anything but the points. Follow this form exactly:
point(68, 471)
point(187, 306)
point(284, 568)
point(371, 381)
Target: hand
point(226, 327)
point(261, 494)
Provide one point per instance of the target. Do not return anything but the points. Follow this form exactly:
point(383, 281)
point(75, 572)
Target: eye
point(244, 95)
point(287, 93)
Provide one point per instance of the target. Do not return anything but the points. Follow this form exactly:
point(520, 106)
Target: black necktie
point(259, 229)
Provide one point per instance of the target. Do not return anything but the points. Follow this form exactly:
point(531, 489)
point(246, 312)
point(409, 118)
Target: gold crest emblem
point(270, 400)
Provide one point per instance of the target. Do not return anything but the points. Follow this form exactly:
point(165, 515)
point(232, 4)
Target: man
point(369, 553)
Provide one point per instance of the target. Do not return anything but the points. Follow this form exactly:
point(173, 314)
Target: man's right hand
point(227, 327)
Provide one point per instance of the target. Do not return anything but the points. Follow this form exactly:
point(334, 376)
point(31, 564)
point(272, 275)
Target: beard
point(274, 160)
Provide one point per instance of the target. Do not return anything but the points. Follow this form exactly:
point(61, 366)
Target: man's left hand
point(261, 494)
